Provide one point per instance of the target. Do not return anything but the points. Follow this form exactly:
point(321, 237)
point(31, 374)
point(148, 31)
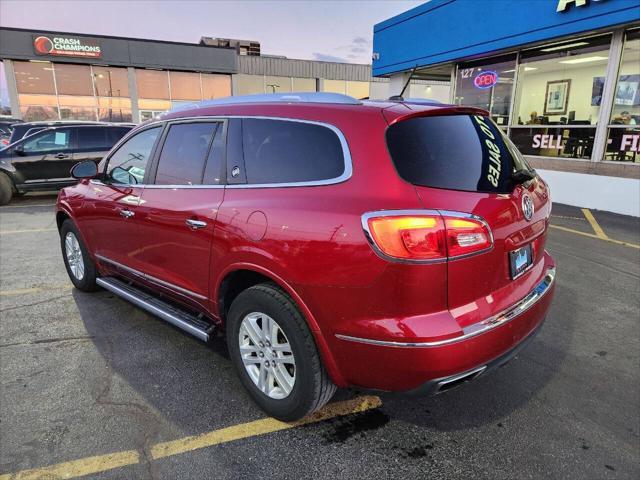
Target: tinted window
point(114, 134)
point(183, 154)
point(277, 151)
point(92, 138)
point(49, 141)
point(459, 152)
point(128, 164)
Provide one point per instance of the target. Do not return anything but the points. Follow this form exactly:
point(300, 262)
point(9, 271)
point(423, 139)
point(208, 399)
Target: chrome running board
point(181, 319)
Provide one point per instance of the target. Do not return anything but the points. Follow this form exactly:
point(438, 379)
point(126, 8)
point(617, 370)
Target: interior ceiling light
point(564, 47)
point(584, 60)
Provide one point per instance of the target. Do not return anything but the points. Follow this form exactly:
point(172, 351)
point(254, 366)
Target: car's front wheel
point(6, 189)
point(80, 267)
point(275, 354)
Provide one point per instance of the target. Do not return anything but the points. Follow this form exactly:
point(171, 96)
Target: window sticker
point(60, 138)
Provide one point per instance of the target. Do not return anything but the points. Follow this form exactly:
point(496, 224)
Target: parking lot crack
point(80, 338)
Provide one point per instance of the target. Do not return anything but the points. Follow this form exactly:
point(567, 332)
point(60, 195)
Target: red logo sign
point(485, 79)
point(43, 45)
point(66, 47)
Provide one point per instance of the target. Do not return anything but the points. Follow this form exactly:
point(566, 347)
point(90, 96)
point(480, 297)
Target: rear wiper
point(522, 176)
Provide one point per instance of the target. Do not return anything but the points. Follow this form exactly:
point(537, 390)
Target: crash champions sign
point(65, 46)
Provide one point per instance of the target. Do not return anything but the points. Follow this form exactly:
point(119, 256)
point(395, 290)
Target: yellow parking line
point(24, 291)
point(31, 230)
point(261, 427)
point(591, 235)
point(594, 224)
point(78, 468)
point(102, 463)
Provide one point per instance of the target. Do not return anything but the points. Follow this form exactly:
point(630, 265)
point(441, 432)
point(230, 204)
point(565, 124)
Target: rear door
point(45, 156)
point(178, 209)
point(464, 163)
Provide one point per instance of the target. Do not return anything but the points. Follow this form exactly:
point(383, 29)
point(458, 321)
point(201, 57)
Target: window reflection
point(185, 86)
point(73, 79)
point(34, 77)
point(111, 81)
point(488, 85)
point(152, 84)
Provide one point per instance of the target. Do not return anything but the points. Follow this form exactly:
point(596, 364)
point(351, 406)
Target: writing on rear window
point(495, 165)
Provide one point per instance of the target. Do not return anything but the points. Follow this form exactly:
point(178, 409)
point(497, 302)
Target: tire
point(311, 388)
point(6, 189)
point(79, 265)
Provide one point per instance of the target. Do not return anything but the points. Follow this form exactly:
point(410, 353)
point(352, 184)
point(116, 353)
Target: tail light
point(426, 235)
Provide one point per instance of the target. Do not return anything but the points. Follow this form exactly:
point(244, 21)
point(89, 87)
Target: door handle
point(195, 224)
point(62, 156)
point(126, 213)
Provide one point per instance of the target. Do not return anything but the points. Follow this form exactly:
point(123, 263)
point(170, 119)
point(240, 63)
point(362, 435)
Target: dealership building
point(560, 77)
point(61, 75)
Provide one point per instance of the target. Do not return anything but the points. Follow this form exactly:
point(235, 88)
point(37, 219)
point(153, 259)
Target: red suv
point(387, 245)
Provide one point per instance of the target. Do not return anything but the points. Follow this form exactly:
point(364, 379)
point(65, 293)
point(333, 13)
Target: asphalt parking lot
point(92, 386)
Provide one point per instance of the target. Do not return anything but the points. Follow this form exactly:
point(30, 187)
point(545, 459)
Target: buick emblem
point(527, 206)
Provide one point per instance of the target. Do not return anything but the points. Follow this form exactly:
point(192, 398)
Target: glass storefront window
point(152, 84)
point(5, 106)
point(111, 81)
point(34, 77)
point(185, 86)
point(114, 115)
point(73, 79)
point(623, 138)
point(487, 84)
point(558, 97)
point(215, 86)
point(77, 113)
point(32, 113)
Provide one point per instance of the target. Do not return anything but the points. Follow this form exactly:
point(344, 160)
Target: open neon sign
point(485, 79)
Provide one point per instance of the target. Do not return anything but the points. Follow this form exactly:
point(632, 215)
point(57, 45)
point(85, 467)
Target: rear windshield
point(459, 152)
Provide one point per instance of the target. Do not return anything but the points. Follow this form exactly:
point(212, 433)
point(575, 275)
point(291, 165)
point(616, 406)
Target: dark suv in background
point(43, 159)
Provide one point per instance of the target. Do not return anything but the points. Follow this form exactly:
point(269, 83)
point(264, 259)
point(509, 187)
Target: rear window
point(458, 152)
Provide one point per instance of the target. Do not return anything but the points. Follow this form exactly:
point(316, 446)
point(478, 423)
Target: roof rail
point(293, 97)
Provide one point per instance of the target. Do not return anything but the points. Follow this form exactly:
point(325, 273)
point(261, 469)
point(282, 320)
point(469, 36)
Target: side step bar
point(187, 322)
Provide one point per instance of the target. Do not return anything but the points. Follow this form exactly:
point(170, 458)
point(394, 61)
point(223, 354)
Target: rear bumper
point(406, 365)
point(439, 385)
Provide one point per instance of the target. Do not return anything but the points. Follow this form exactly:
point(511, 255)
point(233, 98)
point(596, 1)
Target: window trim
point(155, 161)
point(347, 171)
point(165, 123)
point(132, 133)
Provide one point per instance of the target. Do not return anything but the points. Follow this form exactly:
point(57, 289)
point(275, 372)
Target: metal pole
point(608, 95)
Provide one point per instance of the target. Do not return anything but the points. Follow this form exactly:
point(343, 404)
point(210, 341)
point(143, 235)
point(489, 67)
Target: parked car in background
point(385, 245)
point(43, 160)
point(22, 129)
point(6, 129)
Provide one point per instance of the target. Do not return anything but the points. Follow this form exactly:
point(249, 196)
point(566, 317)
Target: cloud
point(358, 50)
point(323, 57)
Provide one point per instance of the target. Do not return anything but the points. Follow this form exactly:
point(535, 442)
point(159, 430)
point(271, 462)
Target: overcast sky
point(320, 30)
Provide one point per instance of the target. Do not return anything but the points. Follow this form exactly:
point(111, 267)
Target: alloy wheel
point(74, 255)
point(267, 355)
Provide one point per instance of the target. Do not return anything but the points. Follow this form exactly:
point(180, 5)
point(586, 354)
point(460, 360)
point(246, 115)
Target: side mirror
point(19, 149)
point(86, 169)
